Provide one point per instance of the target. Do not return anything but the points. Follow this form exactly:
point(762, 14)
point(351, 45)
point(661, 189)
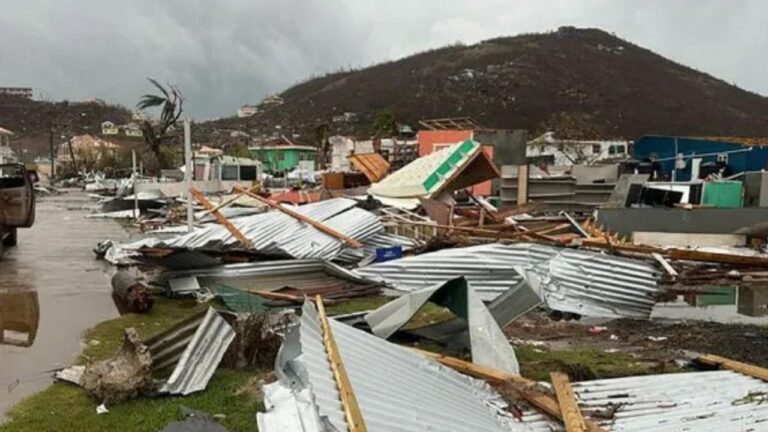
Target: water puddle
point(723, 304)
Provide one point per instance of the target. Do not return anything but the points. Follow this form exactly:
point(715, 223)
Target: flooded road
point(51, 290)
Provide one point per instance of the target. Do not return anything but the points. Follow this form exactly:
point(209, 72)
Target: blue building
point(678, 156)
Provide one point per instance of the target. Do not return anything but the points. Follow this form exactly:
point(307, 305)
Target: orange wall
point(429, 138)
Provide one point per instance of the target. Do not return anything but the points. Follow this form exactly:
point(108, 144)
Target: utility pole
point(188, 171)
point(135, 189)
point(53, 156)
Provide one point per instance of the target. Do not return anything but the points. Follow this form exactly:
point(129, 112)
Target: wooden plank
point(524, 387)
point(664, 263)
point(736, 366)
point(225, 203)
point(220, 218)
point(354, 416)
point(720, 258)
point(569, 406)
point(330, 231)
point(286, 297)
point(522, 184)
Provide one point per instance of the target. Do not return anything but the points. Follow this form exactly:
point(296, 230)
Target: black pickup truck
point(17, 202)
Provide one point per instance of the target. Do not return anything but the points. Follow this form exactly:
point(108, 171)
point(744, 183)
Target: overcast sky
point(225, 53)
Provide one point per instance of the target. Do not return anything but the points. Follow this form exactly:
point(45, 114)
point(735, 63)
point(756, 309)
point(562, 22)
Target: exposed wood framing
point(524, 387)
point(220, 218)
point(522, 184)
point(736, 366)
point(287, 297)
point(692, 255)
point(354, 416)
point(225, 203)
point(665, 264)
point(330, 231)
point(569, 406)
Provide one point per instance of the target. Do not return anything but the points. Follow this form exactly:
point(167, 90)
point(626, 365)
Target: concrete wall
point(175, 189)
point(509, 145)
point(661, 239)
point(624, 221)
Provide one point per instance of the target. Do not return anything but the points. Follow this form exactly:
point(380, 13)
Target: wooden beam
point(522, 184)
point(736, 366)
point(354, 416)
point(524, 387)
point(287, 297)
point(330, 231)
point(569, 406)
point(224, 203)
point(220, 218)
point(665, 264)
point(720, 258)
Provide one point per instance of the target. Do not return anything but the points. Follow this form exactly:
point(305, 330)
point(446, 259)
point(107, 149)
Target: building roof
point(452, 123)
point(373, 165)
point(87, 140)
point(745, 141)
point(4, 131)
point(280, 143)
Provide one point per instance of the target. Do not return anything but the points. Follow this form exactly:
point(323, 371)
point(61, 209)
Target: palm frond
point(159, 87)
point(150, 101)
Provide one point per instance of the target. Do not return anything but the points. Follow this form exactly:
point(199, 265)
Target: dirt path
point(51, 281)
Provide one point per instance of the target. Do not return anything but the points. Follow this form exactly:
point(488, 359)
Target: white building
point(342, 147)
point(565, 152)
point(133, 130)
point(6, 152)
point(139, 116)
point(247, 111)
point(109, 128)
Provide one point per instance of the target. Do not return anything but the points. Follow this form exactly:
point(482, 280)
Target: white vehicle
point(17, 202)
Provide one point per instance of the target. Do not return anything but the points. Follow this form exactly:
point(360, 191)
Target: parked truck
point(17, 202)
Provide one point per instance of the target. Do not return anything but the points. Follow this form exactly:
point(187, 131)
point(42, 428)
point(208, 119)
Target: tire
point(11, 239)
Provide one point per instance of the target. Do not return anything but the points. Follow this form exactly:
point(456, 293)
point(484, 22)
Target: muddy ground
point(661, 342)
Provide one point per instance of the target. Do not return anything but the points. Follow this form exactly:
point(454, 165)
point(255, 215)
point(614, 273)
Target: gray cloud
point(225, 53)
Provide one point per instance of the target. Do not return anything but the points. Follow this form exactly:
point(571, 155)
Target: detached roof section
point(455, 167)
point(396, 389)
point(372, 165)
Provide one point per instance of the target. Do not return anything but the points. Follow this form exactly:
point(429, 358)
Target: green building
point(282, 155)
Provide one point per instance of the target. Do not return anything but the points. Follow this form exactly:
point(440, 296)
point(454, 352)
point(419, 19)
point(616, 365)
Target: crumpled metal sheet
point(269, 275)
point(201, 357)
point(488, 343)
point(277, 233)
point(693, 401)
point(571, 280)
point(397, 389)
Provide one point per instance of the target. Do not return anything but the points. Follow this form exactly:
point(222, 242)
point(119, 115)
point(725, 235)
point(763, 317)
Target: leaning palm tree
point(171, 103)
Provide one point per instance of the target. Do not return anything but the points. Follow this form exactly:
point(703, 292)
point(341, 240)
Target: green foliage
point(239, 150)
point(384, 124)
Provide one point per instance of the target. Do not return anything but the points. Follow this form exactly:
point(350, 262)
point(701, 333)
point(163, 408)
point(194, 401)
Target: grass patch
point(66, 408)
point(103, 340)
point(428, 314)
point(359, 304)
point(586, 363)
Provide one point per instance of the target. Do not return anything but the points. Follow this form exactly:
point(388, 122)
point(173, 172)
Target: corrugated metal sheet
point(273, 275)
point(571, 280)
point(695, 401)
point(397, 390)
point(372, 165)
point(279, 234)
point(202, 352)
point(489, 345)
